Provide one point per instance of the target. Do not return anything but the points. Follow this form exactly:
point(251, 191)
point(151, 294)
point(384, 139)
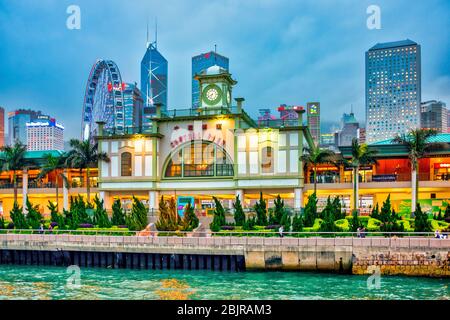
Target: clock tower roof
point(215, 69)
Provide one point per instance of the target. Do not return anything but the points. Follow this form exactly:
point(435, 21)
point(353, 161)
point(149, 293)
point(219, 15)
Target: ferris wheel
point(103, 99)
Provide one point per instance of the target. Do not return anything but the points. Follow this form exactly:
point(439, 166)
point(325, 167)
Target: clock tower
point(216, 87)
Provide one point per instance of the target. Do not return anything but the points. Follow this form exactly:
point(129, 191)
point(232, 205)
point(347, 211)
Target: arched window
point(125, 164)
point(267, 163)
point(199, 159)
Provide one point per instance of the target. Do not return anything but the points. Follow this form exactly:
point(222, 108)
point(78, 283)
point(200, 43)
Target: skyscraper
point(133, 106)
point(154, 74)
point(349, 130)
point(393, 89)
point(17, 124)
point(2, 127)
point(434, 115)
point(313, 117)
point(202, 62)
point(44, 133)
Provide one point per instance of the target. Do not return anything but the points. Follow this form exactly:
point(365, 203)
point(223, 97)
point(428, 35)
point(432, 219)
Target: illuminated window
point(200, 159)
point(125, 163)
point(267, 163)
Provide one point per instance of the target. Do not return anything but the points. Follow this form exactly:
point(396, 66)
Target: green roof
point(439, 138)
point(40, 154)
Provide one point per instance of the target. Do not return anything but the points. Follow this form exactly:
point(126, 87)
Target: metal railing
point(263, 233)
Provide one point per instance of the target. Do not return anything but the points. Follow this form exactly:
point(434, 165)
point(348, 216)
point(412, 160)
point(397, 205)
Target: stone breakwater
point(389, 256)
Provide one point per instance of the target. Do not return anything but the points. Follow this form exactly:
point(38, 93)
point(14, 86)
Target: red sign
point(441, 165)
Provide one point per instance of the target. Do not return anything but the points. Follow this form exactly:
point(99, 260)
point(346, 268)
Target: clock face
point(212, 94)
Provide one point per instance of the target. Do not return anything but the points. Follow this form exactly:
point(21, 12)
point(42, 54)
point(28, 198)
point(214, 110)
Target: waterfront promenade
point(419, 256)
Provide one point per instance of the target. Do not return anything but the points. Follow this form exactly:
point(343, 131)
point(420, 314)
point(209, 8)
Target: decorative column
point(298, 198)
point(24, 190)
point(65, 193)
point(153, 200)
point(104, 195)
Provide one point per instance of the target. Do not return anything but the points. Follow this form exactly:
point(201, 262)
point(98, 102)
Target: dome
point(215, 69)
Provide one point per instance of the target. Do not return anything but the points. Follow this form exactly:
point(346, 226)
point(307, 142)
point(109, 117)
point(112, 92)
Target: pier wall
point(396, 256)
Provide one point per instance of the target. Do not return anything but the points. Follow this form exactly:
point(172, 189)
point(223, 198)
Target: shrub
point(286, 221)
point(2, 222)
point(190, 219)
point(328, 218)
point(342, 225)
point(78, 209)
point(101, 218)
point(373, 225)
point(34, 217)
point(219, 216)
point(137, 220)
point(228, 228)
point(297, 223)
point(355, 222)
point(439, 225)
point(261, 211)
point(310, 211)
point(168, 220)
point(71, 219)
point(118, 215)
point(239, 215)
point(53, 211)
point(249, 224)
point(279, 210)
point(421, 222)
point(17, 217)
point(375, 212)
point(85, 226)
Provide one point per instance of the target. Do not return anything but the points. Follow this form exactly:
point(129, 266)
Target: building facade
point(44, 133)
point(434, 115)
point(133, 106)
point(313, 120)
point(393, 89)
point(217, 150)
point(200, 63)
point(2, 127)
point(17, 124)
point(154, 77)
point(349, 131)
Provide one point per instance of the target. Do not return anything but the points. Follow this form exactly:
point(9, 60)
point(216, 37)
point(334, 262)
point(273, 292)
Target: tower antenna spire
point(147, 35)
point(156, 32)
point(215, 54)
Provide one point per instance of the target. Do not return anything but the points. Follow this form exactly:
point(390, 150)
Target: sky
point(280, 51)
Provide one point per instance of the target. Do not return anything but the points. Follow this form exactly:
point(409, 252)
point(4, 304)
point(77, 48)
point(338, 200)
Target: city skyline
point(54, 61)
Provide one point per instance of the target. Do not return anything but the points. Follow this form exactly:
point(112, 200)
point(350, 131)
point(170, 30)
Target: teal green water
point(19, 282)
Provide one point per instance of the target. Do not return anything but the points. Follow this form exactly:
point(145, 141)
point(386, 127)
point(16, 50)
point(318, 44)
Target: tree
point(118, 215)
point(18, 218)
point(85, 155)
point(417, 143)
point(33, 217)
point(314, 157)
point(297, 223)
point(55, 216)
point(190, 219)
point(101, 218)
point(55, 165)
point(239, 215)
point(421, 222)
point(261, 211)
point(13, 159)
point(361, 155)
point(355, 223)
point(328, 218)
point(337, 207)
point(219, 216)
point(375, 212)
point(78, 209)
point(137, 220)
point(167, 221)
point(311, 211)
point(279, 210)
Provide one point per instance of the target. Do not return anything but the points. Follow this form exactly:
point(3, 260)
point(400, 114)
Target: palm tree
point(315, 156)
point(13, 159)
point(56, 165)
point(416, 142)
point(84, 155)
point(361, 155)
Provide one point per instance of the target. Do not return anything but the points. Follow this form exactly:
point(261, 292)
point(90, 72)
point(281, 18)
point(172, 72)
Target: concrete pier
point(406, 256)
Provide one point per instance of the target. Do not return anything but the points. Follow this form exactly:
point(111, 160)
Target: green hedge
point(342, 225)
point(439, 225)
point(373, 225)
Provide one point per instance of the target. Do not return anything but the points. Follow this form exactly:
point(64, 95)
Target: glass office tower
point(202, 62)
point(393, 89)
point(154, 74)
point(133, 106)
